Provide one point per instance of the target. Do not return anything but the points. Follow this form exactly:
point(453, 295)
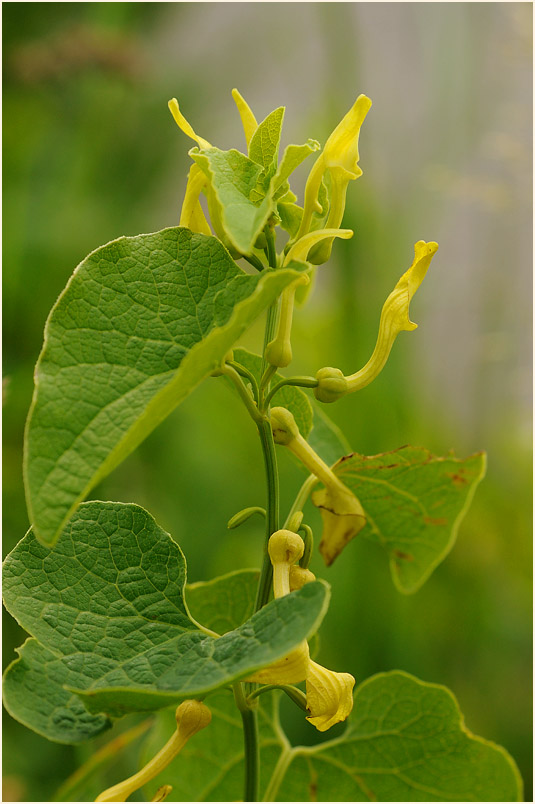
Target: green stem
point(303, 382)
point(246, 397)
point(250, 744)
point(302, 497)
point(296, 695)
point(270, 249)
point(272, 509)
point(253, 260)
point(244, 372)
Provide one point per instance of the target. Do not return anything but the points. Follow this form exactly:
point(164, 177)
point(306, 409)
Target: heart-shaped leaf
point(141, 323)
point(107, 613)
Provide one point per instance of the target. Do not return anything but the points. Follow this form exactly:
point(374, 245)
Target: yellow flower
point(343, 517)
point(191, 717)
point(247, 117)
point(340, 158)
point(329, 694)
point(394, 319)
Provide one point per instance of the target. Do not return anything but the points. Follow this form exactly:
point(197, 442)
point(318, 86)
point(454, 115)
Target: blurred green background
point(91, 153)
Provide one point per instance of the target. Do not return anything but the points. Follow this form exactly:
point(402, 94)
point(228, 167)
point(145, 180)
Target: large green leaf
point(233, 179)
point(406, 741)
point(141, 323)
point(107, 612)
point(414, 503)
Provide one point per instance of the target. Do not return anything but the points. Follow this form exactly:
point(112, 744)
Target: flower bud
point(299, 577)
point(285, 547)
point(283, 425)
point(331, 384)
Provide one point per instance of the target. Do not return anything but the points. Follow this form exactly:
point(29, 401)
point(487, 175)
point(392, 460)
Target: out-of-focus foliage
point(91, 153)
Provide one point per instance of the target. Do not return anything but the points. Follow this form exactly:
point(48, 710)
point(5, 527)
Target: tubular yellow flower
point(340, 157)
point(192, 214)
point(299, 576)
point(394, 319)
point(342, 514)
point(184, 126)
point(279, 350)
point(329, 696)
point(248, 120)
point(285, 548)
point(191, 717)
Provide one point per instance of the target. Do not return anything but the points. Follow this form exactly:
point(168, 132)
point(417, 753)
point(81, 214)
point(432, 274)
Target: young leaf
point(405, 741)
point(234, 178)
point(264, 145)
point(223, 603)
point(291, 159)
point(107, 612)
point(289, 396)
point(141, 323)
point(414, 503)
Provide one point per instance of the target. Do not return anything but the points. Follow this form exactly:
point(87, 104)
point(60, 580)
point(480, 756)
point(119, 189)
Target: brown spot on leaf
point(313, 784)
point(439, 520)
point(458, 479)
point(403, 556)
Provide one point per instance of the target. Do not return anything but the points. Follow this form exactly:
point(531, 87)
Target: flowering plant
point(101, 588)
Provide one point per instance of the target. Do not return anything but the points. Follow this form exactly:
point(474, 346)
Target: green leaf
point(35, 694)
point(326, 438)
point(142, 321)
point(107, 610)
point(210, 767)
point(234, 179)
point(290, 215)
point(292, 158)
point(195, 664)
point(406, 741)
point(264, 145)
point(223, 603)
point(414, 503)
point(289, 396)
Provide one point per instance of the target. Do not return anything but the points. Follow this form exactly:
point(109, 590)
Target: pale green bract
point(109, 622)
point(141, 323)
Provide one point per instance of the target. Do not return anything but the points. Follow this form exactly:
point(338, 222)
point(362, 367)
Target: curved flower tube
point(340, 157)
point(192, 214)
point(342, 514)
point(191, 717)
point(329, 695)
point(394, 319)
point(248, 120)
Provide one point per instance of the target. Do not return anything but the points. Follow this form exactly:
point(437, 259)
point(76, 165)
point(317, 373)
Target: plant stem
point(272, 509)
point(253, 260)
point(303, 382)
point(299, 698)
point(250, 744)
